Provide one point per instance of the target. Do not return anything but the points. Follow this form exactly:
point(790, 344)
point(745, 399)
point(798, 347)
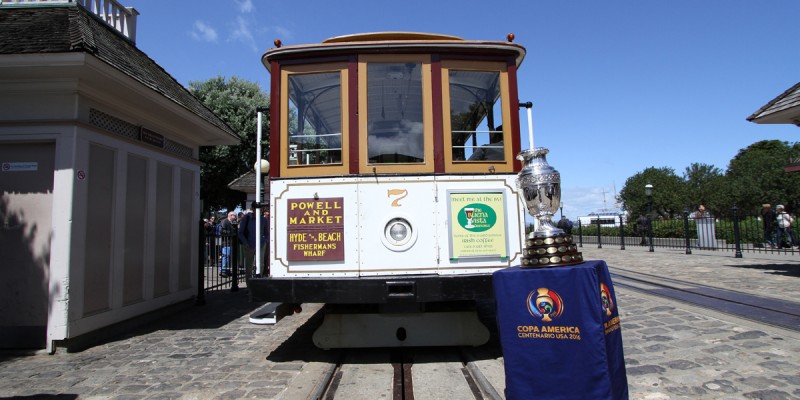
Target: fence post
point(201, 269)
point(736, 237)
point(621, 234)
point(234, 262)
point(580, 233)
point(599, 240)
point(686, 232)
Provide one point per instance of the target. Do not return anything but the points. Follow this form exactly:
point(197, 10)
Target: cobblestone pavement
point(673, 350)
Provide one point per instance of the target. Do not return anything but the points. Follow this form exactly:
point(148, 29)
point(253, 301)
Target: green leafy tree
point(669, 193)
point(705, 185)
point(234, 100)
point(756, 175)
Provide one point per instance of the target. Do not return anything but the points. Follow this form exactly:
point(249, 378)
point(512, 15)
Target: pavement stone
point(673, 350)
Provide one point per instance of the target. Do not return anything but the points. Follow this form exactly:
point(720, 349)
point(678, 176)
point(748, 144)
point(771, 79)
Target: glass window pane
point(315, 119)
point(394, 113)
point(476, 117)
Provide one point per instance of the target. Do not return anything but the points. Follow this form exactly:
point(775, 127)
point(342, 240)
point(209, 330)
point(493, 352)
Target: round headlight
point(398, 232)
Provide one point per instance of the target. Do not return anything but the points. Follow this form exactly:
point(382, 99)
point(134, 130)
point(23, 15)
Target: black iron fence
point(221, 264)
point(738, 234)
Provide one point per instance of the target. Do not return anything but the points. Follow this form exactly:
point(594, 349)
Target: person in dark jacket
point(227, 231)
point(768, 216)
point(565, 225)
point(641, 227)
point(247, 236)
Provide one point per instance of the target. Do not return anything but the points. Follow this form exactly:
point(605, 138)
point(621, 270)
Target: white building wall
point(58, 118)
point(83, 320)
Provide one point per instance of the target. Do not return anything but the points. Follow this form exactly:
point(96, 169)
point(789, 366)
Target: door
point(26, 181)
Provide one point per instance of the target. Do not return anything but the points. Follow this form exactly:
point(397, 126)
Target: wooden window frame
point(300, 170)
point(484, 166)
point(365, 167)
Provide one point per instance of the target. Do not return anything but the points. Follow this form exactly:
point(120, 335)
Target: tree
point(235, 102)
point(705, 185)
point(756, 176)
point(669, 194)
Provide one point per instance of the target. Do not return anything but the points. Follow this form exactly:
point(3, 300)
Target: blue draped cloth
point(560, 333)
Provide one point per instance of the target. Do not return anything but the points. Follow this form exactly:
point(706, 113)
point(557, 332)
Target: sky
point(617, 86)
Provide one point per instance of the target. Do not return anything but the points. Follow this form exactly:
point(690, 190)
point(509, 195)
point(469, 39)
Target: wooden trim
point(438, 132)
point(275, 120)
point(352, 72)
point(365, 167)
point(791, 167)
point(311, 170)
point(513, 94)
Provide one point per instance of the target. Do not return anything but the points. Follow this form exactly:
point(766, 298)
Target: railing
point(221, 264)
point(737, 234)
point(119, 17)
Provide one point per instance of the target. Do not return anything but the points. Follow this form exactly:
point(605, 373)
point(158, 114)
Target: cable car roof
point(394, 42)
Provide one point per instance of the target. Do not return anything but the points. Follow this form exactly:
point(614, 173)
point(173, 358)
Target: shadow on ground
point(220, 308)
point(300, 347)
point(775, 269)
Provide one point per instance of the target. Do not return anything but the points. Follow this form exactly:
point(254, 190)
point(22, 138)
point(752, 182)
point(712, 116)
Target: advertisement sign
point(478, 224)
point(315, 229)
point(20, 166)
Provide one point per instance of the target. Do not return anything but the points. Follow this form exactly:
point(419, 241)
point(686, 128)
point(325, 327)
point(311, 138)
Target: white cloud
point(241, 32)
point(245, 6)
point(283, 33)
point(203, 32)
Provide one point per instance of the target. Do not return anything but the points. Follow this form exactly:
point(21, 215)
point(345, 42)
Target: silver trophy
point(541, 189)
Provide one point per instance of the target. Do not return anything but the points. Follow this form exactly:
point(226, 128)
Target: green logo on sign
point(477, 217)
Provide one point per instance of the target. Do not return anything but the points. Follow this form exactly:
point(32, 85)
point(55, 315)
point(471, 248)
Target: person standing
point(769, 217)
point(641, 226)
point(210, 229)
point(247, 236)
point(227, 231)
point(565, 225)
point(783, 222)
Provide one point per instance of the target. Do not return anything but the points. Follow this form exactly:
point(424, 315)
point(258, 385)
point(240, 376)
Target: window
point(475, 115)
point(394, 104)
point(312, 123)
point(394, 113)
point(475, 106)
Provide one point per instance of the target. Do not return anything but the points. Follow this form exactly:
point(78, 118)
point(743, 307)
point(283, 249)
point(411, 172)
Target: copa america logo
point(606, 299)
point(545, 304)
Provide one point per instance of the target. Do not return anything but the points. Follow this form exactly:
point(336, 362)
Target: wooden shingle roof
point(784, 109)
point(63, 28)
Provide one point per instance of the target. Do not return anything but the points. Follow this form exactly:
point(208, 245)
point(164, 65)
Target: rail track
point(767, 310)
point(408, 373)
point(478, 373)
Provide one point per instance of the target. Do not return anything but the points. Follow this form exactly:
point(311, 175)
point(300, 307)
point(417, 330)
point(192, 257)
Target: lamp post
point(261, 167)
point(648, 191)
point(561, 209)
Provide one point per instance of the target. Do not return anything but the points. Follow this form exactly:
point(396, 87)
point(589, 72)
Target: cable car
point(392, 184)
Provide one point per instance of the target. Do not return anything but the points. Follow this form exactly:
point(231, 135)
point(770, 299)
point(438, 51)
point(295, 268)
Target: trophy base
point(552, 251)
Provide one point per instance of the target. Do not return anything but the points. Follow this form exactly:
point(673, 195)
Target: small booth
point(560, 333)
